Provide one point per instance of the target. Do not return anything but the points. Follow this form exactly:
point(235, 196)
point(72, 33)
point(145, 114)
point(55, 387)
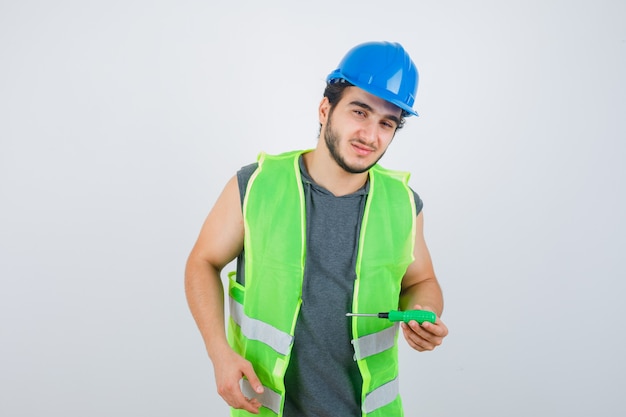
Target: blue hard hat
point(383, 69)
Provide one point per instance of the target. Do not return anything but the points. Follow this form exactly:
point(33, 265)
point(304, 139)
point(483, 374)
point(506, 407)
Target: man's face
point(359, 128)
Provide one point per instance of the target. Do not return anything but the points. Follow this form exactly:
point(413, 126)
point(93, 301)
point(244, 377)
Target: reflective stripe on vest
point(374, 343)
point(269, 399)
point(257, 330)
point(381, 396)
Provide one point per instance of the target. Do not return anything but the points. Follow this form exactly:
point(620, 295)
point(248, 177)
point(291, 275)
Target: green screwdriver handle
point(419, 316)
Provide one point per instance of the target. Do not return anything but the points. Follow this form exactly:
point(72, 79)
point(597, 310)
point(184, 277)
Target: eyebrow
point(367, 107)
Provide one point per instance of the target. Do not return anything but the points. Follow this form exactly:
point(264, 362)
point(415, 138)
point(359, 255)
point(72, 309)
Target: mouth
point(362, 149)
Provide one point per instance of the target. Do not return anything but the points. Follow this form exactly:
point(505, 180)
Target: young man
point(318, 234)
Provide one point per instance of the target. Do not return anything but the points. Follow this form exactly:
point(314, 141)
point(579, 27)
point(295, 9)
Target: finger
point(414, 340)
point(239, 401)
point(253, 379)
point(433, 333)
point(231, 392)
point(420, 338)
point(233, 396)
point(252, 405)
point(438, 328)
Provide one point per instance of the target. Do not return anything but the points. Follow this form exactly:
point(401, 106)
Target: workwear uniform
point(265, 308)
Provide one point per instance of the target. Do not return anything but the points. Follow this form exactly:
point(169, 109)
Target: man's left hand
point(426, 336)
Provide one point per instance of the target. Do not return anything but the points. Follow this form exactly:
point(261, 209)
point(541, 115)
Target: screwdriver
point(406, 316)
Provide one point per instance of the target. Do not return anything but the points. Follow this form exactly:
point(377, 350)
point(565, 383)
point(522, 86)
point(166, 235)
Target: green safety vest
point(263, 314)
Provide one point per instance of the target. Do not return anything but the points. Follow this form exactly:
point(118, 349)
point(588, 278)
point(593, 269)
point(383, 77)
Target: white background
point(120, 122)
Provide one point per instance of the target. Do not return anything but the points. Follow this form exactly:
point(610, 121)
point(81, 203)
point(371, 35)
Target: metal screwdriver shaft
point(419, 316)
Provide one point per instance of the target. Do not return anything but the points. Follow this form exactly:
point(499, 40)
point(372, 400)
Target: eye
point(388, 125)
point(359, 113)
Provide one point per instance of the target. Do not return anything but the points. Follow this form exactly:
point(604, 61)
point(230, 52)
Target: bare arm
point(421, 290)
point(219, 242)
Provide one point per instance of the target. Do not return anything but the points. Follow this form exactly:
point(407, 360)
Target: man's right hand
point(230, 368)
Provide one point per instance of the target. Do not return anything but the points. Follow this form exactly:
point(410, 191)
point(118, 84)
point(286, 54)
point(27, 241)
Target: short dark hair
point(334, 90)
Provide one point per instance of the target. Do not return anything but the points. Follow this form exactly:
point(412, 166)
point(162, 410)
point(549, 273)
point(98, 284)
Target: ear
point(323, 110)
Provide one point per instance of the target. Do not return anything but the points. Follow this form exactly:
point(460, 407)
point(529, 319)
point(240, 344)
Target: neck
point(326, 173)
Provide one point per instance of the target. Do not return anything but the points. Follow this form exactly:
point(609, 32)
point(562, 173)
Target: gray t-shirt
point(322, 378)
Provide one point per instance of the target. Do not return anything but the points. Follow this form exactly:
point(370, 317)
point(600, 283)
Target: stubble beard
point(332, 143)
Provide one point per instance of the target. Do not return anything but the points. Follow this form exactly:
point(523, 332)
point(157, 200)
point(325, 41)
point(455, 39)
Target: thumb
point(253, 379)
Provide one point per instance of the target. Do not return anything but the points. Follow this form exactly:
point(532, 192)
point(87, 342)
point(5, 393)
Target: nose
point(369, 132)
